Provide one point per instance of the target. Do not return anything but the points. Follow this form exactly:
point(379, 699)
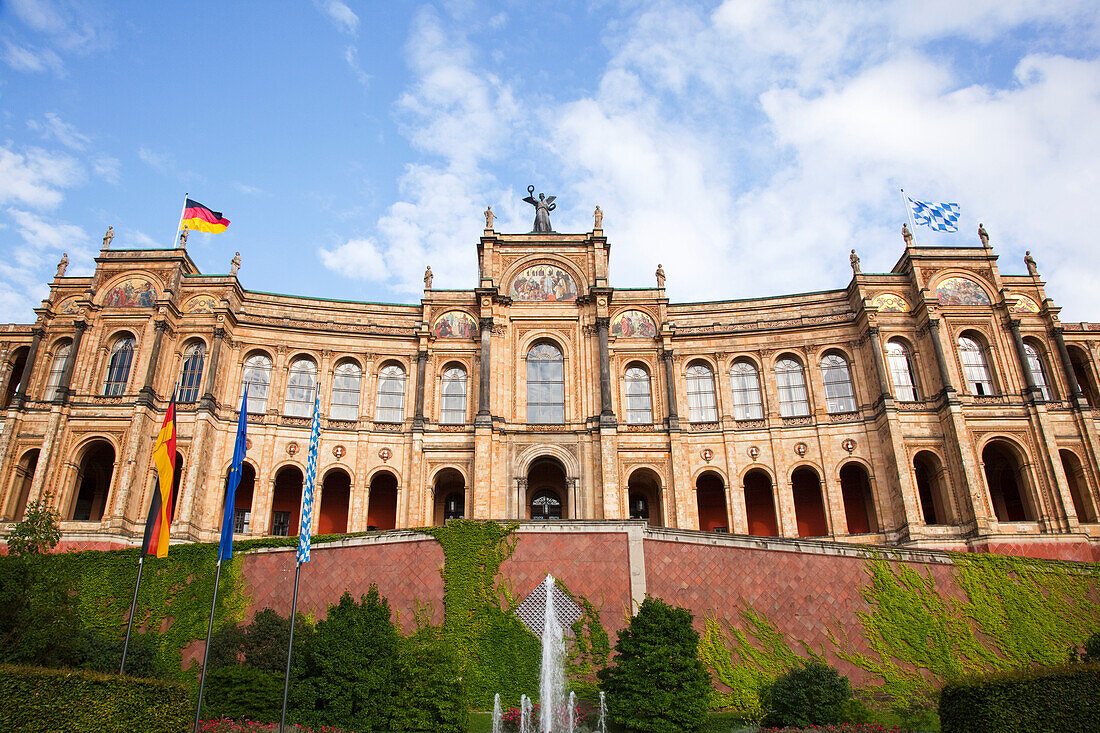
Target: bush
point(433, 694)
point(36, 700)
point(243, 693)
point(815, 694)
point(657, 682)
point(1055, 699)
point(40, 530)
point(1092, 648)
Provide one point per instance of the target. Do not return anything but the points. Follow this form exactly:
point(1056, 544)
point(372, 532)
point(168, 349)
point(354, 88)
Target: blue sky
point(746, 145)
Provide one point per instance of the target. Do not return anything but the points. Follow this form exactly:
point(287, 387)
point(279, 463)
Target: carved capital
point(1014, 324)
point(603, 323)
point(161, 326)
point(422, 356)
point(872, 331)
point(485, 324)
point(80, 326)
point(667, 354)
point(38, 333)
point(219, 333)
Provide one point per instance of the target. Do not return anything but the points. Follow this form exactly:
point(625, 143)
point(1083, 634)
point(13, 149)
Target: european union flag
point(225, 550)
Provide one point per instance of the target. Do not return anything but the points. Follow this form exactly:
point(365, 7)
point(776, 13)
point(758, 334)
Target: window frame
point(1035, 365)
point(975, 366)
point(637, 405)
point(341, 405)
point(190, 377)
point(387, 376)
point(257, 405)
point(741, 390)
point(453, 404)
point(118, 374)
point(545, 411)
point(893, 360)
point(62, 352)
point(836, 378)
point(701, 389)
point(790, 405)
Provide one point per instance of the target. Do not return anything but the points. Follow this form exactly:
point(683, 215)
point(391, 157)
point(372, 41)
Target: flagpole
point(133, 606)
point(290, 646)
point(183, 209)
point(908, 209)
point(206, 650)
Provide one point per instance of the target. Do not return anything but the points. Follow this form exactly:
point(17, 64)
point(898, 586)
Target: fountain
point(552, 674)
point(498, 722)
point(572, 712)
point(602, 723)
point(525, 715)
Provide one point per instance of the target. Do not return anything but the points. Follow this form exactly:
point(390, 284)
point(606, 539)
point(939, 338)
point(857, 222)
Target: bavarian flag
point(160, 510)
point(198, 218)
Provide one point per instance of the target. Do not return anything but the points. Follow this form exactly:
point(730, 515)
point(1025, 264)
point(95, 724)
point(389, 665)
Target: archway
point(286, 504)
point(710, 495)
point(177, 475)
point(1079, 492)
point(449, 496)
point(809, 507)
point(335, 499)
point(382, 501)
point(547, 490)
point(760, 504)
point(1005, 479)
point(93, 482)
point(24, 477)
point(859, 503)
point(928, 472)
point(18, 363)
point(242, 501)
point(1082, 372)
point(643, 496)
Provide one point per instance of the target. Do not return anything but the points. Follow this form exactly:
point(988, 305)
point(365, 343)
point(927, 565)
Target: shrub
point(1056, 699)
point(243, 693)
point(815, 694)
point(1092, 648)
point(433, 694)
point(656, 681)
point(36, 700)
point(40, 530)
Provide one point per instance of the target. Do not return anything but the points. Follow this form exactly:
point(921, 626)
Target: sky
point(746, 146)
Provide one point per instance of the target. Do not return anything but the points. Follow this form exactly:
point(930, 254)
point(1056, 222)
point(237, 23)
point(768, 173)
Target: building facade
point(940, 405)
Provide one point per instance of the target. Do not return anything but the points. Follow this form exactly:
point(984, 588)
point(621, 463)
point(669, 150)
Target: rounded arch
point(382, 500)
point(931, 481)
point(461, 470)
point(95, 475)
point(539, 450)
point(1084, 501)
point(1004, 465)
point(644, 496)
point(545, 336)
point(759, 492)
point(1084, 373)
point(960, 287)
point(751, 359)
point(23, 477)
point(448, 494)
point(547, 489)
point(389, 361)
point(133, 288)
point(242, 500)
point(346, 359)
point(256, 351)
point(858, 496)
point(809, 502)
point(710, 499)
point(699, 360)
point(834, 350)
point(17, 361)
point(286, 501)
point(511, 273)
point(326, 470)
point(332, 517)
point(788, 356)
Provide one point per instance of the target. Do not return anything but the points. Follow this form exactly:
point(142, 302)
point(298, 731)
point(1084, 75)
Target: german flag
point(160, 510)
point(198, 218)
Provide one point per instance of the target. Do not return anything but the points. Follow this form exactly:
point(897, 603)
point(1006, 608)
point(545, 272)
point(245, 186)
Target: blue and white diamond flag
point(939, 217)
point(311, 479)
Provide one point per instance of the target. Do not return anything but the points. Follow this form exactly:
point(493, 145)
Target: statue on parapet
point(108, 237)
point(854, 259)
point(983, 235)
point(235, 263)
point(1032, 269)
point(597, 216)
point(428, 277)
point(906, 235)
point(660, 275)
point(183, 237)
point(489, 217)
point(62, 265)
point(543, 206)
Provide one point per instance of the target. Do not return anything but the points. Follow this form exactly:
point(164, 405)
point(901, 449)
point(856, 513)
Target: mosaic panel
point(455, 324)
point(133, 293)
point(633, 324)
point(544, 283)
point(961, 291)
point(890, 303)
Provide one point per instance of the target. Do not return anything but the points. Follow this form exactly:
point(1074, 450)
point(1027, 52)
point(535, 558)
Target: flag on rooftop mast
point(940, 217)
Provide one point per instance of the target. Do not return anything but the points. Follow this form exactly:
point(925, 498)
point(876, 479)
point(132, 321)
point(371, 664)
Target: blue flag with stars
point(311, 479)
point(225, 550)
point(939, 217)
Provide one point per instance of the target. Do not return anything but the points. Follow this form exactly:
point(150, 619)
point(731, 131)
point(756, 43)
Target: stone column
point(145, 396)
point(28, 369)
point(670, 390)
point(1077, 397)
point(208, 402)
point(63, 391)
point(1032, 391)
point(880, 363)
point(607, 415)
point(418, 400)
point(941, 358)
point(483, 416)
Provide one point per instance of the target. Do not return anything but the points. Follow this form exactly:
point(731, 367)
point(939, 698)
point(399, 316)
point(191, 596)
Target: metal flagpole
point(183, 209)
point(290, 647)
point(908, 210)
point(206, 650)
point(133, 606)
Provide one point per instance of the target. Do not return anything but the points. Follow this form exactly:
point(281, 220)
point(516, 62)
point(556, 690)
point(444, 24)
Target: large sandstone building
point(940, 405)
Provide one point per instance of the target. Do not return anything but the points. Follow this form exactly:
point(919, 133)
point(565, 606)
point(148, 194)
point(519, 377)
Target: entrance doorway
point(547, 490)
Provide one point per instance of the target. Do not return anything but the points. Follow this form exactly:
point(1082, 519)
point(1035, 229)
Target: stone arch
point(382, 500)
point(95, 474)
point(552, 450)
point(548, 484)
point(930, 476)
point(710, 498)
point(760, 508)
point(332, 515)
point(859, 499)
point(242, 500)
point(809, 502)
point(177, 478)
point(1084, 502)
point(644, 496)
point(746, 357)
point(17, 373)
point(448, 494)
point(22, 478)
point(1084, 374)
point(569, 267)
point(1004, 465)
point(286, 500)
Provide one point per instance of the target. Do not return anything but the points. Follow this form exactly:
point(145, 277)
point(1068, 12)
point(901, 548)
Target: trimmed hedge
point(1055, 699)
point(38, 700)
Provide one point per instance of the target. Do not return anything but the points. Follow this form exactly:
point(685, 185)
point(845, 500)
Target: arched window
point(702, 401)
point(901, 371)
point(975, 368)
point(257, 377)
point(191, 378)
point(452, 408)
point(839, 395)
point(390, 406)
point(118, 368)
point(345, 391)
point(57, 370)
point(1035, 366)
point(748, 404)
point(545, 505)
point(300, 385)
point(793, 400)
point(545, 384)
point(639, 403)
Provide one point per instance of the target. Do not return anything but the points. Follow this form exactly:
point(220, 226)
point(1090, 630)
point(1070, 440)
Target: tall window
point(345, 391)
point(545, 384)
point(1035, 366)
point(793, 400)
point(702, 401)
point(257, 376)
point(118, 368)
point(901, 371)
point(452, 410)
point(975, 368)
point(57, 370)
point(300, 385)
point(839, 395)
point(748, 404)
point(391, 395)
point(639, 404)
point(191, 378)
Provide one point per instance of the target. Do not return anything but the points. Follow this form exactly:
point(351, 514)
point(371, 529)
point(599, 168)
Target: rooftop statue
point(543, 207)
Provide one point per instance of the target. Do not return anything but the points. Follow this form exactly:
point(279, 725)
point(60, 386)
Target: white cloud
point(26, 58)
point(43, 234)
point(357, 258)
point(57, 129)
point(247, 190)
point(106, 168)
point(34, 177)
point(340, 15)
point(351, 56)
point(160, 162)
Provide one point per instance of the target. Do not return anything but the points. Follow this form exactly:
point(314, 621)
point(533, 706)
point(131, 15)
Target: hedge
point(1055, 699)
point(39, 700)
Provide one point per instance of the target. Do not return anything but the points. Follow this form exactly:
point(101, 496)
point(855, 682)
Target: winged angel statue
point(543, 206)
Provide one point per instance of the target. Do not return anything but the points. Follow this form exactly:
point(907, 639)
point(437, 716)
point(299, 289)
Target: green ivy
point(590, 648)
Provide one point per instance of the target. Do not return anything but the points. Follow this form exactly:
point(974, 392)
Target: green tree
point(814, 694)
point(433, 693)
point(656, 682)
point(40, 530)
point(243, 693)
point(346, 672)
